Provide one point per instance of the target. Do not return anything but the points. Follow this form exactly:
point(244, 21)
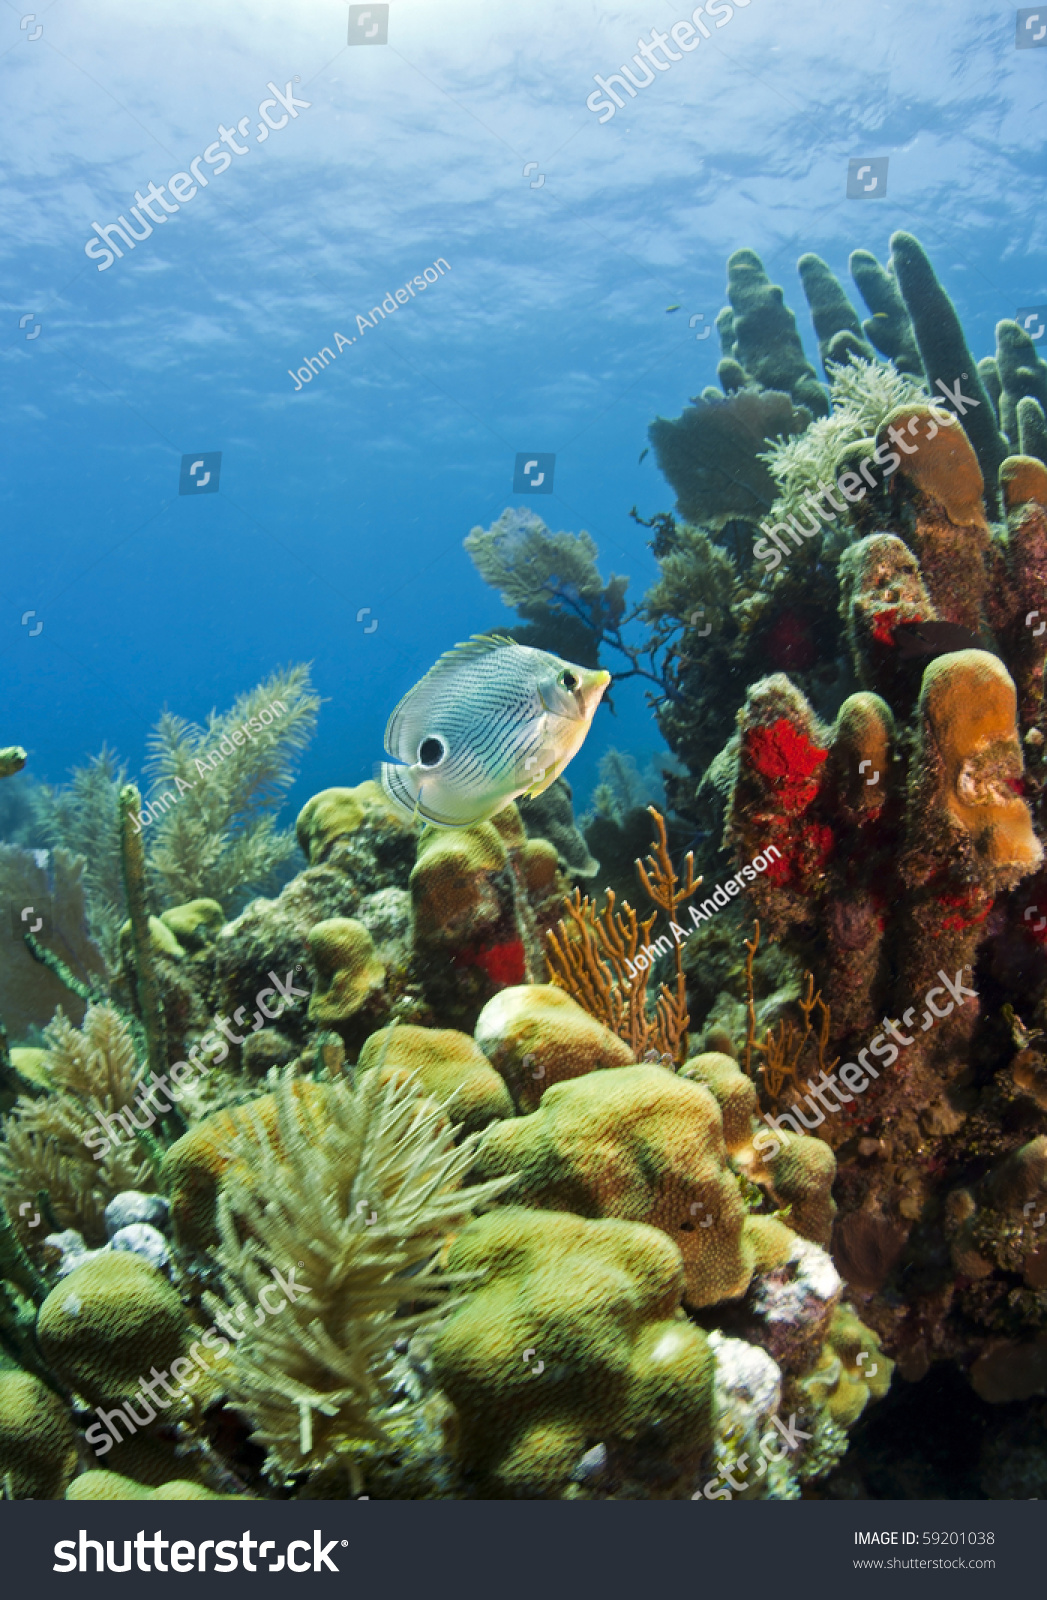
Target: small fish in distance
point(642, 454)
point(671, 308)
point(491, 721)
point(933, 639)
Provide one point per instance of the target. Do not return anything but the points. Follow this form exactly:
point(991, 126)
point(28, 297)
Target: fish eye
point(431, 751)
point(569, 679)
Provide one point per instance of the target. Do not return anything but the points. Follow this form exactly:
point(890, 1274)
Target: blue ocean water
point(465, 139)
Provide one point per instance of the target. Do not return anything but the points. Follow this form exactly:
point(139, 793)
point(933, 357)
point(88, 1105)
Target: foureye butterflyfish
point(491, 721)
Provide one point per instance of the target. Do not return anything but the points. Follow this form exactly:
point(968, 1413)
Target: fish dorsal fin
point(481, 644)
point(474, 649)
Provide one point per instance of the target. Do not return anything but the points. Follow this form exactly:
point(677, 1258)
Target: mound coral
point(448, 1066)
point(37, 1439)
point(349, 973)
point(113, 1486)
point(105, 1325)
point(536, 1036)
point(641, 1145)
point(575, 1339)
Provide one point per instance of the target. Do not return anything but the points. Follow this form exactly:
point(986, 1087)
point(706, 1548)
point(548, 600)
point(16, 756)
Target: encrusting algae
point(487, 1203)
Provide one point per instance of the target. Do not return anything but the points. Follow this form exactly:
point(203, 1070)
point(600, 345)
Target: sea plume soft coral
point(92, 1071)
point(359, 1190)
point(864, 393)
point(213, 840)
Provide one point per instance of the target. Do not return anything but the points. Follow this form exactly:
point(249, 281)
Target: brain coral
point(450, 1066)
point(37, 1439)
point(111, 1486)
point(574, 1339)
point(642, 1145)
point(108, 1322)
point(536, 1035)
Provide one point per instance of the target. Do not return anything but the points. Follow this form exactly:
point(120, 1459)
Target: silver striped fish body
point(492, 720)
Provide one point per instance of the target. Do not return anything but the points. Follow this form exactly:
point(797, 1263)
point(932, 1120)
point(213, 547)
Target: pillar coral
point(1016, 601)
point(938, 491)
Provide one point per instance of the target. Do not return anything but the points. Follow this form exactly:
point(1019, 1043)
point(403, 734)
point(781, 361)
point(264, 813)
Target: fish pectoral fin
point(552, 773)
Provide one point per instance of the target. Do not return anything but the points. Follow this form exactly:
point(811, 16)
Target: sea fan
point(81, 816)
point(358, 1191)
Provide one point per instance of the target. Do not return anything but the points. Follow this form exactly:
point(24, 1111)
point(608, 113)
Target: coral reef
point(727, 1177)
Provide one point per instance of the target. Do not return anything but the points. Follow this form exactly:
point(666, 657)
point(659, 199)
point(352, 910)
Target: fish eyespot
point(569, 680)
point(431, 751)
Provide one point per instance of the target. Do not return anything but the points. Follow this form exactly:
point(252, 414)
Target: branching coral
point(783, 1048)
point(212, 784)
point(359, 1191)
point(551, 579)
point(621, 788)
point(93, 1073)
point(591, 953)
